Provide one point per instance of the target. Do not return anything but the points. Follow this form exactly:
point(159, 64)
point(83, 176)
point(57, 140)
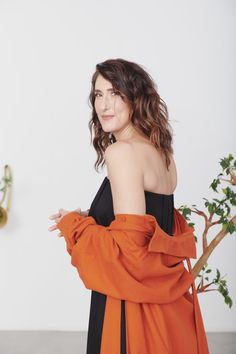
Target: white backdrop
point(49, 50)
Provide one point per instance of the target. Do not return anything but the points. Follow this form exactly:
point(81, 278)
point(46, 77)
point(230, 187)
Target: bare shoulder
point(115, 147)
point(121, 161)
point(126, 178)
point(119, 150)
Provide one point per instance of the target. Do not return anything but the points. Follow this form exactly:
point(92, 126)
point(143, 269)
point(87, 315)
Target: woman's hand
point(57, 217)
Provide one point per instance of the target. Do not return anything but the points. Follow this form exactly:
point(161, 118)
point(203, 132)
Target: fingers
point(52, 228)
point(84, 212)
point(54, 216)
point(57, 217)
point(61, 212)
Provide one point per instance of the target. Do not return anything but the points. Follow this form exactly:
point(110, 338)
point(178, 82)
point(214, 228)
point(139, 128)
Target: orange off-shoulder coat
point(135, 260)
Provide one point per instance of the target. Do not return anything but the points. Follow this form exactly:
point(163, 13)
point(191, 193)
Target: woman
point(130, 246)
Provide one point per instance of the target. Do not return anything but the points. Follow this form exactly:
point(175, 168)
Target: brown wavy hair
point(149, 113)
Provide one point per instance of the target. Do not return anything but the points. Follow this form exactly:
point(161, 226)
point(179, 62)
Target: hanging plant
point(5, 190)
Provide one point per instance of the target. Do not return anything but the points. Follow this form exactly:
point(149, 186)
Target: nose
point(105, 103)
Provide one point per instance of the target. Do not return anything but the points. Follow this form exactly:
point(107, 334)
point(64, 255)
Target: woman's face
point(112, 111)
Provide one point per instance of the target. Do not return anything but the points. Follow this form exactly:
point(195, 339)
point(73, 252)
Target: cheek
point(125, 112)
point(122, 108)
point(97, 108)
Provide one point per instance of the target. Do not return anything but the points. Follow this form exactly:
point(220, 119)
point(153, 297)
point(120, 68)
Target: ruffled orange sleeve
point(132, 258)
point(135, 260)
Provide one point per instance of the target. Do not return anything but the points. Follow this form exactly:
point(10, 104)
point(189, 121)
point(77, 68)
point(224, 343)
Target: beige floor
point(55, 342)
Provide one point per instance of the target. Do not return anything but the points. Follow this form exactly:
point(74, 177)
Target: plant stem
point(209, 249)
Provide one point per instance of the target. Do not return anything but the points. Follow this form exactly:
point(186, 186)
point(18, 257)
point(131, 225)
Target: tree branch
point(209, 249)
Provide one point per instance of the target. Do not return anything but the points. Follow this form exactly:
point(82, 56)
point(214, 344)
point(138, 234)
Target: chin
point(106, 129)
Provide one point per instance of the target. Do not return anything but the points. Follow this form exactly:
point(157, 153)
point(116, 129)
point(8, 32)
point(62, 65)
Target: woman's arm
point(131, 256)
point(126, 179)
point(123, 259)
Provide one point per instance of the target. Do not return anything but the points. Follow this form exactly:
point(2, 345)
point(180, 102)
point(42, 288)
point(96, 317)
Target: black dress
point(159, 205)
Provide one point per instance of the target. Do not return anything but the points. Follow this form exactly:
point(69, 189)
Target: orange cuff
point(67, 225)
point(68, 220)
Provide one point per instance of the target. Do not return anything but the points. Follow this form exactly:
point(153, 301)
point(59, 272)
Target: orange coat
point(135, 260)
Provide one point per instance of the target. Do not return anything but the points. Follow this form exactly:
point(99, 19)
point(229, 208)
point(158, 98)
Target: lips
point(107, 117)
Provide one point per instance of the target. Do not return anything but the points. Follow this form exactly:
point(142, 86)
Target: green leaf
point(216, 200)
point(228, 301)
point(211, 208)
point(219, 211)
point(230, 157)
point(227, 208)
point(215, 184)
point(225, 225)
point(233, 201)
point(231, 227)
point(224, 163)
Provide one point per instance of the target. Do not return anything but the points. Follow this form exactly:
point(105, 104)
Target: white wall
point(49, 50)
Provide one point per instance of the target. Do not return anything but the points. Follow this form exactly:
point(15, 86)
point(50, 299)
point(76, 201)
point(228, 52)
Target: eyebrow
point(110, 89)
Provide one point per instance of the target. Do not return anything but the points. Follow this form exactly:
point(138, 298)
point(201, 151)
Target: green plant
point(218, 212)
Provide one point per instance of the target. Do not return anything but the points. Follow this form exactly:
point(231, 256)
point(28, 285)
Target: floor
point(56, 342)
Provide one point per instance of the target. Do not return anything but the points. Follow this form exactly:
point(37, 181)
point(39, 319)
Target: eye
point(116, 93)
point(97, 94)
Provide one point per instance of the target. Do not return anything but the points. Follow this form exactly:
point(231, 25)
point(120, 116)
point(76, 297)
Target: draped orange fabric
point(134, 260)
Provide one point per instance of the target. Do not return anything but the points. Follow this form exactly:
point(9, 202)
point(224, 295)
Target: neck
point(126, 134)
